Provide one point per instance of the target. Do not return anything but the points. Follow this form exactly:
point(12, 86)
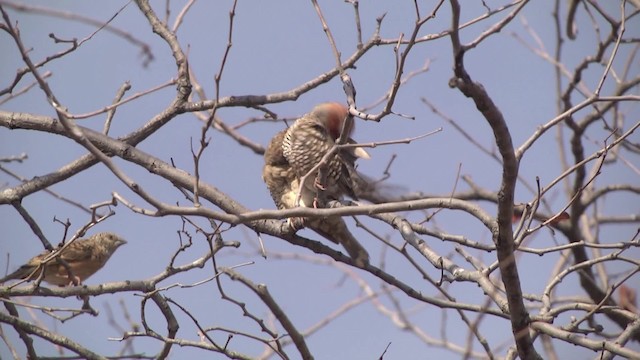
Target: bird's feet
point(318, 184)
point(295, 223)
point(73, 281)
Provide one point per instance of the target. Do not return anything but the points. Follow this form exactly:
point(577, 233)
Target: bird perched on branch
point(310, 138)
point(83, 258)
point(293, 153)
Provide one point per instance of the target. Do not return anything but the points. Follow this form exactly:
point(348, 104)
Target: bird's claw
point(295, 223)
point(319, 185)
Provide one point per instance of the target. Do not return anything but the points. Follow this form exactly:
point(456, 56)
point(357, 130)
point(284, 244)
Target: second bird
point(83, 256)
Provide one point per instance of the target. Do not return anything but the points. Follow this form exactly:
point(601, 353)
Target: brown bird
point(83, 256)
point(309, 139)
point(304, 144)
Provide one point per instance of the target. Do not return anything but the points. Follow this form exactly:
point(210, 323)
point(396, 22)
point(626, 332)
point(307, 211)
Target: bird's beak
point(361, 153)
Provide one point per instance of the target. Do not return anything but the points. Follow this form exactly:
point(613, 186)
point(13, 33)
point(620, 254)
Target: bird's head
point(331, 116)
point(111, 240)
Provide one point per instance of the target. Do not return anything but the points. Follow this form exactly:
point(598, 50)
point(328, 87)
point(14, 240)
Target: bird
point(290, 155)
point(83, 256)
point(309, 139)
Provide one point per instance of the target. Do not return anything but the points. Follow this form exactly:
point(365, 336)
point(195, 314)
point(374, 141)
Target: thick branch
point(503, 232)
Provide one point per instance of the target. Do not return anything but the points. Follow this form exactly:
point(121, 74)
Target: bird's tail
point(334, 229)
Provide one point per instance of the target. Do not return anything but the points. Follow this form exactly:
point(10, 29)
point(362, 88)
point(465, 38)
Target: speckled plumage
point(280, 178)
point(307, 141)
point(293, 152)
point(84, 257)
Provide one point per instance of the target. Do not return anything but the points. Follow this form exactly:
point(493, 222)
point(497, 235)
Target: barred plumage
point(292, 153)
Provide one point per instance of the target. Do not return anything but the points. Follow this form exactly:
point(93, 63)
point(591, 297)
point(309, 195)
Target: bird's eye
point(319, 128)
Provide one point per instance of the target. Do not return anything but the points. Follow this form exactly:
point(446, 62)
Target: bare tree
point(500, 209)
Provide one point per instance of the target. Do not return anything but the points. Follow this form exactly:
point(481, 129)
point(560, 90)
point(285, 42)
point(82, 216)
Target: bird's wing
point(78, 251)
